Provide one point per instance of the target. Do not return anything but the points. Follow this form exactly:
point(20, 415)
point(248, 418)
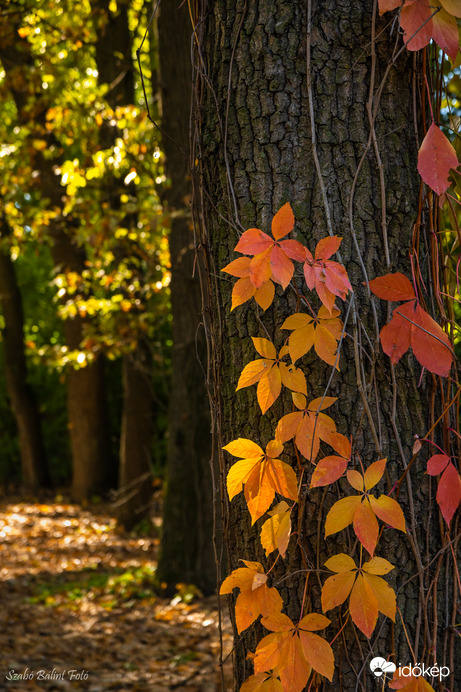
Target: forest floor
point(78, 610)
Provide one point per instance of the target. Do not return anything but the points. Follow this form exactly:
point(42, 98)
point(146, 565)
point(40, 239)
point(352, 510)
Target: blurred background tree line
point(102, 384)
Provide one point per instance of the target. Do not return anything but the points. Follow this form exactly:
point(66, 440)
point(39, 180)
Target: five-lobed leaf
point(253, 600)
point(411, 325)
point(361, 510)
point(369, 594)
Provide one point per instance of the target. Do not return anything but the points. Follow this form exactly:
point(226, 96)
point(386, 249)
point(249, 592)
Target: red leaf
point(283, 222)
point(387, 5)
point(437, 464)
point(413, 20)
point(449, 492)
point(392, 287)
point(396, 336)
point(435, 159)
point(445, 33)
point(430, 344)
point(253, 242)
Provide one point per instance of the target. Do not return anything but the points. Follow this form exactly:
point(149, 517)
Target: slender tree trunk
point(186, 547)
point(114, 60)
point(33, 460)
point(85, 387)
point(256, 150)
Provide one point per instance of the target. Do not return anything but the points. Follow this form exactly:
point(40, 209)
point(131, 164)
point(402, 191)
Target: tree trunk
point(85, 387)
point(136, 439)
point(256, 150)
point(33, 460)
point(114, 61)
point(186, 548)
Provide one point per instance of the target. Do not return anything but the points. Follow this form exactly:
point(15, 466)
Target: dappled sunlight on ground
point(78, 609)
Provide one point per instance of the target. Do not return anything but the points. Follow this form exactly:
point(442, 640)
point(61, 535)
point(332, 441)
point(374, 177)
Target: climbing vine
point(293, 655)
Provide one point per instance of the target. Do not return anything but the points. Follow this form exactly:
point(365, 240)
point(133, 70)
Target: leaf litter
point(77, 594)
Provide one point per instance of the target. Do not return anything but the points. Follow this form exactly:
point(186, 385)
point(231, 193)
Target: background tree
point(186, 548)
point(314, 103)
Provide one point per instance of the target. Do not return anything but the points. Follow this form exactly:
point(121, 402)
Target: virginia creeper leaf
point(275, 532)
point(392, 287)
point(414, 18)
point(435, 159)
point(328, 470)
point(445, 32)
point(449, 492)
point(363, 606)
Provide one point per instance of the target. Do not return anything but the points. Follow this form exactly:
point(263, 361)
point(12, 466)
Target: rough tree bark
point(186, 548)
point(255, 147)
point(33, 459)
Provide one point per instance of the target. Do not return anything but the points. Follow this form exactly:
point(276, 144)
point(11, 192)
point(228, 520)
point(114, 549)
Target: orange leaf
point(283, 652)
point(274, 448)
point(253, 242)
point(366, 526)
point(321, 403)
point(340, 563)
point(385, 595)
point(377, 565)
point(262, 682)
point(264, 347)
point(430, 344)
point(327, 471)
point(251, 602)
point(342, 514)
point(264, 295)
point(445, 32)
point(293, 378)
point(239, 474)
point(269, 388)
point(244, 449)
point(275, 532)
point(355, 479)
point(313, 622)
point(260, 268)
point(272, 476)
point(452, 6)
point(283, 222)
point(252, 372)
point(239, 267)
point(363, 606)
point(318, 653)
point(242, 291)
point(327, 247)
point(336, 589)
point(414, 20)
point(389, 511)
point(374, 473)
point(288, 425)
point(408, 683)
point(325, 345)
point(435, 159)
point(392, 287)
